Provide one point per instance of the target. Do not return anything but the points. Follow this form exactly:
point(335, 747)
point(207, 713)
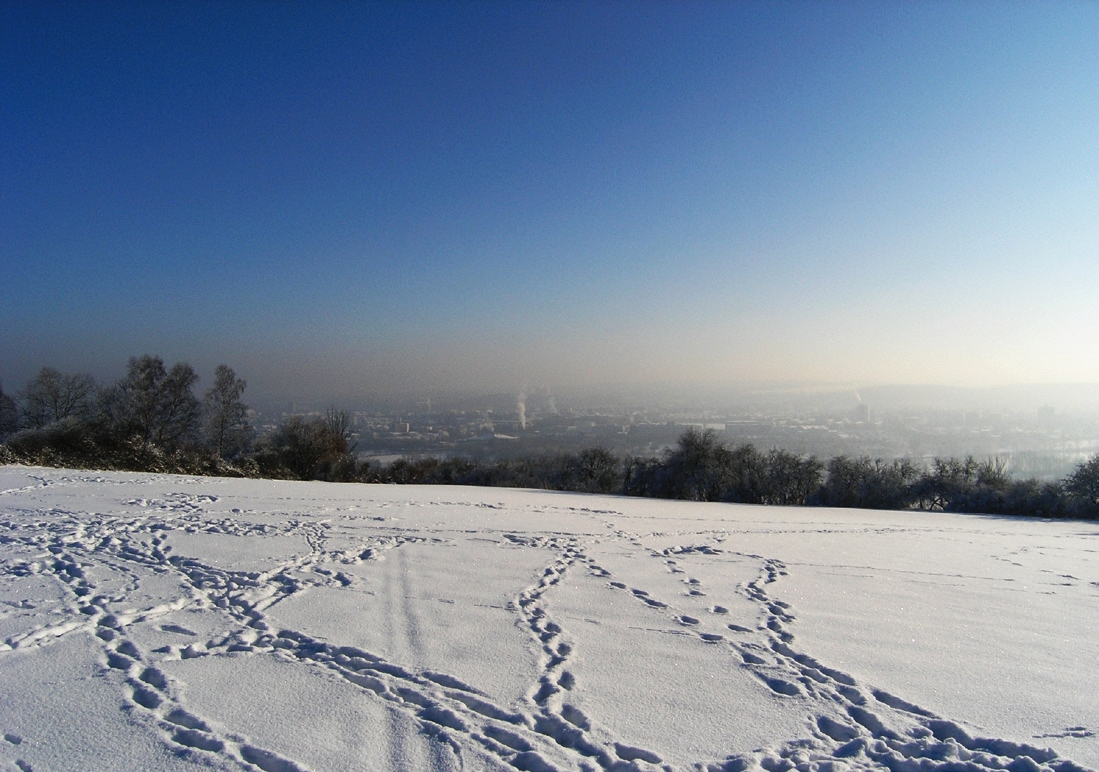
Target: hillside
point(157, 622)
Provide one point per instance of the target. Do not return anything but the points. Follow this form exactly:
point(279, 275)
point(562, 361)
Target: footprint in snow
point(575, 717)
point(1079, 732)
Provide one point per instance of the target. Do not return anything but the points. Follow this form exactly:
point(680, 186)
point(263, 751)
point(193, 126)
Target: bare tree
point(228, 431)
point(9, 416)
point(873, 483)
point(699, 469)
point(338, 425)
point(791, 479)
point(158, 405)
point(53, 395)
point(307, 449)
point(596, 470)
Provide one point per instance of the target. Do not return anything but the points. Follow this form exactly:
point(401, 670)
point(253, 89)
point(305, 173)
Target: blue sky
point(351, 199)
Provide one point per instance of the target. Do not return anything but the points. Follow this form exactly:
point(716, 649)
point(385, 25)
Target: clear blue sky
point(345, 198)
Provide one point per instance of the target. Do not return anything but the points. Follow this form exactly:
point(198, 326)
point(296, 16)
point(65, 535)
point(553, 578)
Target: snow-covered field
point(153, 622)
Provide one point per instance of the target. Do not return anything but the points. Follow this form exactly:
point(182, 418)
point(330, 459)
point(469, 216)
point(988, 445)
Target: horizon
point(720, 395)
point(415, 199)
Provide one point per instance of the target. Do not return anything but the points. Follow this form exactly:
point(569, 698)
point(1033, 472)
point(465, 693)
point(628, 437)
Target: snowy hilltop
point(159, 622)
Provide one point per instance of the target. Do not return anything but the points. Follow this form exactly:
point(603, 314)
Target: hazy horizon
point(397, 199)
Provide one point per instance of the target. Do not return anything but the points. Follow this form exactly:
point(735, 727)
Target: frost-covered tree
point(595, 470)
point(157, 405)
point(699, 468)
point(789, 479)
point(53, 396)
point(1082, 486)
point(878, 484)
point(228, 431)
point(307, 449)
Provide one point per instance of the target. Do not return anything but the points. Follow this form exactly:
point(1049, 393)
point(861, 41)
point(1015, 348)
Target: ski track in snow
point(850, 725)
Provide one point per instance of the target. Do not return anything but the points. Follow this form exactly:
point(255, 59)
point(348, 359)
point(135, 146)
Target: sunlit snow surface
point(154, 622)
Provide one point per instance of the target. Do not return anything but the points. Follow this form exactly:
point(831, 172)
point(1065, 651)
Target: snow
point(157, 622)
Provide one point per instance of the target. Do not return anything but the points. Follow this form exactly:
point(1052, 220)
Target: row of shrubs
point(701, 468)
point(152, 421)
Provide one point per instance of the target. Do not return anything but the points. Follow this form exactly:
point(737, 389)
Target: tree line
point(702, 468)
point(153, 420)
point(150, 420)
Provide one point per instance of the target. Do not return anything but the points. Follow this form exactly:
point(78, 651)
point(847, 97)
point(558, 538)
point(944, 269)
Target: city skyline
point(341, 200)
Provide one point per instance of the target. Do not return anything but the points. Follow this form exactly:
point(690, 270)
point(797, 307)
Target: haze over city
point(347, 200)
point(549, 385)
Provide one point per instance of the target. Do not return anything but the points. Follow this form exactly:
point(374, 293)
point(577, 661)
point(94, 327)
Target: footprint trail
point(151, 573)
